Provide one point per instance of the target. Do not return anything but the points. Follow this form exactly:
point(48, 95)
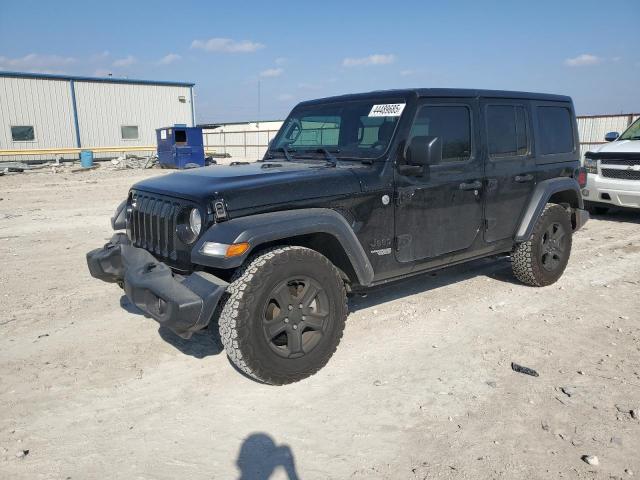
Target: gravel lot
point(421, 385)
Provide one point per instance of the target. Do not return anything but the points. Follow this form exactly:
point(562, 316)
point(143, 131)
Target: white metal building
point(40, 111)
point(593, 128)
point(246, 141)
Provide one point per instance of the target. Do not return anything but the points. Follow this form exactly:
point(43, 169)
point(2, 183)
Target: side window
point(452, 123)
point(23, 133)
point(556, 130)
point(507, 131)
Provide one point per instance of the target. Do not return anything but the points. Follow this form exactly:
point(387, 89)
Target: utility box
point(180, 147)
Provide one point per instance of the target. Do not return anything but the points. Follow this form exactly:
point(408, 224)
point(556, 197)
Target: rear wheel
point(285, 315)
point(542, 260)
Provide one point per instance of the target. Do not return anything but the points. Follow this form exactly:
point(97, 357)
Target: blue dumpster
point(180, 146)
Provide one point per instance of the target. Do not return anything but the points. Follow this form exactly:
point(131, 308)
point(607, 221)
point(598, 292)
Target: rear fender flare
point(265, 228)
point(540, 197)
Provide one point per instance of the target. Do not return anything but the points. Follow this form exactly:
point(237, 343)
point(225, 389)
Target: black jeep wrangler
point(354, 191)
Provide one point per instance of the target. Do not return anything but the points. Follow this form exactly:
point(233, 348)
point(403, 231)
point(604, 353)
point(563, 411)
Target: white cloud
point(34, 62)
point(375, 59)
point(226, 45)
point(406, 73)
point(169, 59)
point(584, 60)
point(271, 72)
point(125, 62)
point(100, 57)
point(281, 61)
point(285, 97)
point(101, 72)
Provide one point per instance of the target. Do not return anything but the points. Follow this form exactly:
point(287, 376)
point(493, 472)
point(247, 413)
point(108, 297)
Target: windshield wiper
point(284, 149)
point(330, 157)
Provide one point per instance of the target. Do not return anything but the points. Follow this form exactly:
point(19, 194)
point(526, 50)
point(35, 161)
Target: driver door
point(441, 212)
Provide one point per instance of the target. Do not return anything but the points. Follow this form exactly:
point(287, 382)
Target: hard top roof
point(442, 92)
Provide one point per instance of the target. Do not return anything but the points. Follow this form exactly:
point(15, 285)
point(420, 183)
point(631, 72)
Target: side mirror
point(611, 136)
point(424, 151)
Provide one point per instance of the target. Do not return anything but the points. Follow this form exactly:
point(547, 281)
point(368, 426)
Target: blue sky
point(303, 49)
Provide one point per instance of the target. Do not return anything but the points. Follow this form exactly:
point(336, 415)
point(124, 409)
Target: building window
point(23, 133)
point(129, 132)
point(556, 130)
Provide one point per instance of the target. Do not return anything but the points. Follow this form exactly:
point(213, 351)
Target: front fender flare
point(540, 197)
point(269, 227)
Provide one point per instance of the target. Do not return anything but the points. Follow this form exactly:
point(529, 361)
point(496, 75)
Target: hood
point(260, 183)
point(620, 146)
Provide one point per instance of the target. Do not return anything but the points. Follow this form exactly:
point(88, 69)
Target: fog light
point(585, 192)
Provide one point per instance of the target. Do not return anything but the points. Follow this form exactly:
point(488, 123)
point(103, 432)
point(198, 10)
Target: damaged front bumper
point(184, 304)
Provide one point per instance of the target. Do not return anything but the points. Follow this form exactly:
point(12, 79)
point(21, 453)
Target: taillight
point(581, 176)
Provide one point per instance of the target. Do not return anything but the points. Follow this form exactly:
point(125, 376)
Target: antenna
point(258, 122)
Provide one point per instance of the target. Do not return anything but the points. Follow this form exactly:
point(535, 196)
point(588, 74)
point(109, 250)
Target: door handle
point(524, 178)
point(475, 185)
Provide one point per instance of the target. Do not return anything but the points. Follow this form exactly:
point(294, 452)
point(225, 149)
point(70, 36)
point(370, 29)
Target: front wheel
point(285, 315)
point(541, 260)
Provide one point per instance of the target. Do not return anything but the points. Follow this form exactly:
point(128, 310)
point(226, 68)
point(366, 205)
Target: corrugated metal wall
point(593, 128)
point(103, 108)
point(44, 104)
point(242, 141)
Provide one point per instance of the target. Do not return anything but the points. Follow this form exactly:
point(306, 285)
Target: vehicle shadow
point(498, 268)
point(618, 215)
point(259, 457)
point(202, 344)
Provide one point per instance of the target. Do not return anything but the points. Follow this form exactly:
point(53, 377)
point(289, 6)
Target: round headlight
point(195, 221)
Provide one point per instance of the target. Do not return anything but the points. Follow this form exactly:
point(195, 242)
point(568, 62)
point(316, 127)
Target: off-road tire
point(526, 259)
point(241, 319)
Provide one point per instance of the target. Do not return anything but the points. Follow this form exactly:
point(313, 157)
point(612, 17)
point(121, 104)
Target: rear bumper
point(182, 304)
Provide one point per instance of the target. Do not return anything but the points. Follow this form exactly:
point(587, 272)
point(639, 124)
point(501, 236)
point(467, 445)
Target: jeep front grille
point(152, 224)
point(621, 174)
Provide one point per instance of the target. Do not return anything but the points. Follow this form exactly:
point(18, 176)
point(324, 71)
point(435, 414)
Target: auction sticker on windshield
point(387, 110)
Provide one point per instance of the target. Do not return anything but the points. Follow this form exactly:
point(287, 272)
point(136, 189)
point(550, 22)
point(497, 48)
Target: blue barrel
point(86, 158)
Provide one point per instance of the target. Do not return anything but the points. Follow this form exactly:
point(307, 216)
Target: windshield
point(633, 132)
point(359, 129)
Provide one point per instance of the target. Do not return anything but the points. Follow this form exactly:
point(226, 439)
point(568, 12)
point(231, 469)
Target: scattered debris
point(568, 391)
point(492, 384)
point(134, 161)
point(526, 370)
point(591, 460)
point(635, 413)
point(22, 453)
point(43, 335)
point(377, 383)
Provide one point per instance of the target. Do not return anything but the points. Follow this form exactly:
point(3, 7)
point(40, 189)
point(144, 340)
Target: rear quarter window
point(555, 130)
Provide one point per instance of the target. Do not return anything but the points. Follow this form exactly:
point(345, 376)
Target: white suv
point(613, 172)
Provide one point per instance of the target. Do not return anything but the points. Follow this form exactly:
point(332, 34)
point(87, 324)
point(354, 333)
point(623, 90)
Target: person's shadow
point(260, 456)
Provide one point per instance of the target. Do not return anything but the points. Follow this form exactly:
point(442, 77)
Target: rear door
point(440, 212)
point(510, 165)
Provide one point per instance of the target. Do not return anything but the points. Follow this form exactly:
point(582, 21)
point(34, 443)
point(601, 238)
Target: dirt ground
point(420, 387)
